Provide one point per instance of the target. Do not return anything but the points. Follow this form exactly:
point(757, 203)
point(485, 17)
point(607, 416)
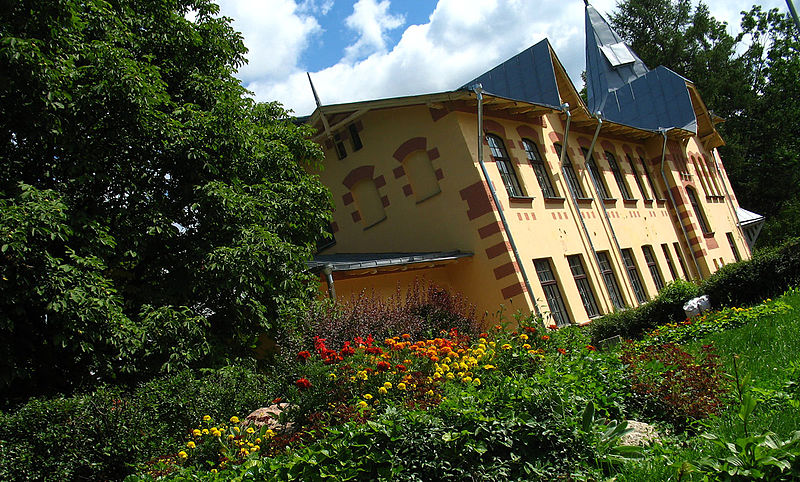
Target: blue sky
point(368, 49)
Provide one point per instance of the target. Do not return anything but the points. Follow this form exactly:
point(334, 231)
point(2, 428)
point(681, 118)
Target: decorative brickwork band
point(490, 126)
point(505, 270)
point(526, 132)
point(513, 290)
point(478, 200)
point(498, 249)
point(358, 174)
point(489, 230)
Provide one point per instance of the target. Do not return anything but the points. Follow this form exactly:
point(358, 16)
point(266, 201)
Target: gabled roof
point(621, 86)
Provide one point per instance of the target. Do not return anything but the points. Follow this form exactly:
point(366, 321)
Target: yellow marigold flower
point(447, 360)
point(236, 429)
point(250, 444)
point(250, 430)
point(244, 451)
point(258, 440)
point(450, 375)
point(467, 379)
point(401, 386)
point(182, 454)
point(482, 340)
point(526, 346)
point(437, 375)
point(231, 437)
point(256, 448)
point(523, 337)
point(367, 396)
point(234, 419)
point(362, 404)
point(429, 393)
point(196, 432)
point(476, 382)
point(213, 471)
point(489, 367)
point(387, 385)
point(269, 433)
point(382, 390)
point(445, 368)
point(506, 346)
point(206, 418)
point(332, 376)
point(191, 445)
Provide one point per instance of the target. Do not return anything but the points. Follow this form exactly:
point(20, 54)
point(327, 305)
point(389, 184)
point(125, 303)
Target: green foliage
point(633, 322)
point(768, 273)
point(151, 213)
point(104, 434)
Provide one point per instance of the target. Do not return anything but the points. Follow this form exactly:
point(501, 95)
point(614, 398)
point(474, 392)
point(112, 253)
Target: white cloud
point(462, 39)
point(371, 20)
point(275, 32)
point(313, 6)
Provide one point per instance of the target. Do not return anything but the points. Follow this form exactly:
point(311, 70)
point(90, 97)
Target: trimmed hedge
point(103, 435)
point(769, 273)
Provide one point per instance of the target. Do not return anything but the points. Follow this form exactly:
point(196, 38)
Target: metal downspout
point(601, 201)
point(729, 200)
point(478, 89)
point(565, 108)
point(328, 271)
point(675, 205)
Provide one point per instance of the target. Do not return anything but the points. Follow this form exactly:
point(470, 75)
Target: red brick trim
point(409, 146)
point(358, 174)
point(505, 270)
point(433, 154)
point(498, 249)
point(489, 230)
point(584, 142)
point(439, 174)
point(608, 146)
point(335, 227)
point(711, 243)
point(478, 200)
point(407, 190)
point(385, 201)
point(529, 133)
point(640, 151)
point(627, 149)
point(380, 181)
point(356, 216)
point(513, 290)
point(437, 114)
point(347, 199)
point(398, 172)
point(493, 127)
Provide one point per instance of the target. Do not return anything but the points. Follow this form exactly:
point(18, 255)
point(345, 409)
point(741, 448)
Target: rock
point(269, 416)
point(643, 434)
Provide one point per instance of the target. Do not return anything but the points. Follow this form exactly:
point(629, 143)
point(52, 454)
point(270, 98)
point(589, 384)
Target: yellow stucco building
point(471, 189)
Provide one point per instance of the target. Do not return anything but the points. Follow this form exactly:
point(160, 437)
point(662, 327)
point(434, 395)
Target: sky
point(373, 49)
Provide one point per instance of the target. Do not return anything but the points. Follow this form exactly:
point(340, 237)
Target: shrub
point(101, 435)
point(633, 322)
point(768, 273)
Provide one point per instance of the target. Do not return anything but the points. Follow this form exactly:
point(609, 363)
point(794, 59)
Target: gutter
point(478, 89)
point(675, 205)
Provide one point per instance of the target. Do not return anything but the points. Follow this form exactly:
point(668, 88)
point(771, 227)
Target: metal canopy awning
point(751, 224)
point(361, 261)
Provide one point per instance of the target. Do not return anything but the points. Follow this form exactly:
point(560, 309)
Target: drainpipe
point(565, 109)
point(478, 89)
point(729, 200)
point(674, 204)
point(598, 116)
point(328, 270)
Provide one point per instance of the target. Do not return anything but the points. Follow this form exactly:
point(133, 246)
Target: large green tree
point(750, 80)
point(151, 213)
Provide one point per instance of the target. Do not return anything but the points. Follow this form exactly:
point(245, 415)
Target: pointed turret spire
point(610, 63)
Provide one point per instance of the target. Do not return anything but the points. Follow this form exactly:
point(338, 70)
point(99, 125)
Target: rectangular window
point(670, 264)
point(639, 181)
point(539, 168)
point(633, 273)
point(596, 174)
point(355, 137)
point(341, 152)
point(504, 166)
point(551, 292)
point(734, 249)
point(584, 287)
point(611, 280)
point(327, 239)
point(569, 174)
point(618, 176)
point(650, 258)
point(650, 182)
point(698, 211)
point(678, 253)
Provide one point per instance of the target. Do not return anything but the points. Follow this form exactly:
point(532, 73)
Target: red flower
point(545, 337)
point(401, 368)
point(277, 401)
point(484, 335)
point(332, 359)
point(562, 351)
point(374, 350)
point(553, 327)
point(303, 355)
point(347, 350)
point(303, 384)
point(383, 366)
point(530, 329)
point(591, 348)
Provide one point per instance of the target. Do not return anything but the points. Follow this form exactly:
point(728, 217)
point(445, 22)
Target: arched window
point(507, 173)
point(539, 167)
point(698, 211)
point(369, 202)
point(421, 175)
point(569, 174)
point(596, 174)
point(618, 176)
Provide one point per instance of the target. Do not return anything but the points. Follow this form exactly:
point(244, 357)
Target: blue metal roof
point(528, 76)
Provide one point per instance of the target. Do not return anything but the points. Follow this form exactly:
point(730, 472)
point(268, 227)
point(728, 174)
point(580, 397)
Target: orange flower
point(545, 337)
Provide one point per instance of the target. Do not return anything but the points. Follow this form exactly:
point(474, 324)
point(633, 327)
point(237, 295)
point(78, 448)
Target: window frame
point(552, 292)
point(584, 286)
point(734, 248)
point(338, 146)
point(618, 176)
point(679, 254)
point(504, 165)
point(539, 168)
point(638, 177)
point(705, 227)
point(610, 279)
point(596, 174)
point(652, 265)
point(570, 177)
point(655, 192)
point(633, 272)
point(670, 263)
point(355, 138)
